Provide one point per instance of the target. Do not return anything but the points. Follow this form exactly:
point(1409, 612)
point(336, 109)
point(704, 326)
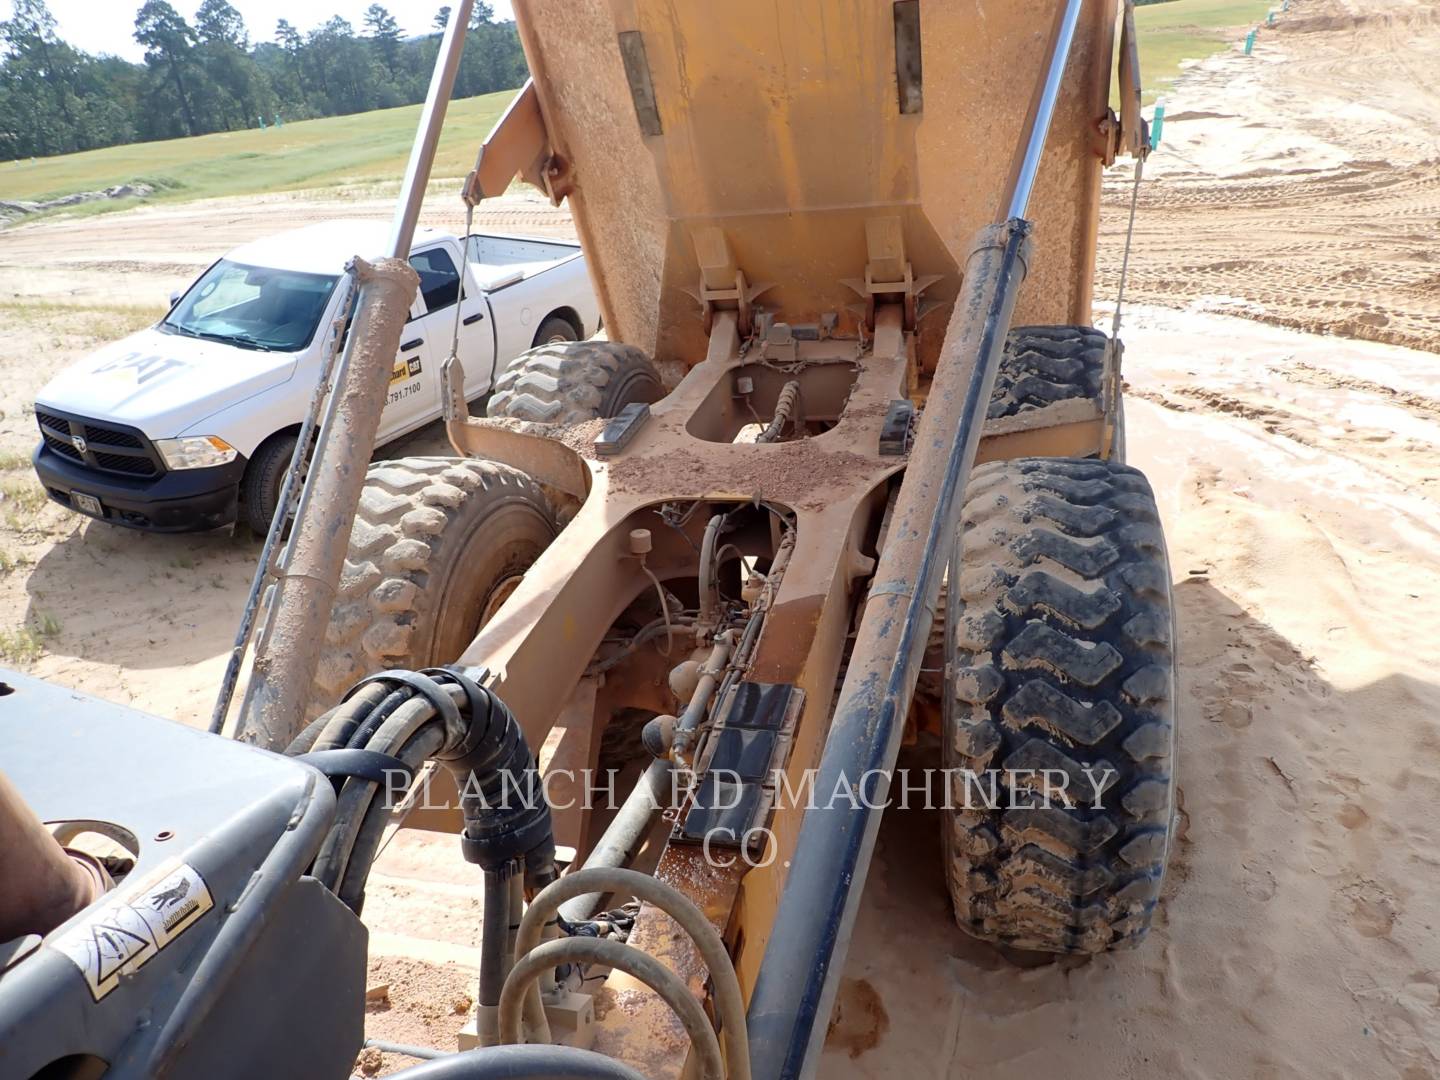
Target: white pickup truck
point(191, 424)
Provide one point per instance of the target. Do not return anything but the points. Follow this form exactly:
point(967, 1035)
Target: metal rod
point(288, 649)
point(423, 1053)
point(796, 986)
point(799, 975)
point(1044, 113)
point(293, 476)
point(623, 835)
point(432, 119)
point(273, 711)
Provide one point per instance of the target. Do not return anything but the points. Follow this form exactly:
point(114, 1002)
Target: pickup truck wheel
point(554, 330)
point(572, 382)
point(264, 476)
point(437, 546)
point(1059, 638)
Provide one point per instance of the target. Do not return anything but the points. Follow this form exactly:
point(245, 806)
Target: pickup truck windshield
point(254, 307)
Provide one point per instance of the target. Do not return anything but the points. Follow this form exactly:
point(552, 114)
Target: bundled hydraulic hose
point(501, 793)
point(377, 739)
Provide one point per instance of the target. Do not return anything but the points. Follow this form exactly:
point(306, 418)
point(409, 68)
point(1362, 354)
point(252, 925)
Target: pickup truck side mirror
point(174, 297)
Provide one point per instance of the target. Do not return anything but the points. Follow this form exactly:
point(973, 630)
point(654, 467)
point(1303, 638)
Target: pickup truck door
point(414, 380)
point(440, 291)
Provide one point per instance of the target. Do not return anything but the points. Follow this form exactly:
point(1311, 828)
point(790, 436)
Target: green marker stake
point(1157, 124)
point(1270, 19)
point(1250, 41)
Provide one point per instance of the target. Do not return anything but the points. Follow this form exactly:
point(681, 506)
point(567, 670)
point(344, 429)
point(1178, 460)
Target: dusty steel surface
point(780, 128)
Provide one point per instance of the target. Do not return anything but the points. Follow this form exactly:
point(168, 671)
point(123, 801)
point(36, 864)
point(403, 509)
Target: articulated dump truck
point(846, 474)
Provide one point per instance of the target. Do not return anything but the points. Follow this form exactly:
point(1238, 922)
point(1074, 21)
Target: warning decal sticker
point(133, 923)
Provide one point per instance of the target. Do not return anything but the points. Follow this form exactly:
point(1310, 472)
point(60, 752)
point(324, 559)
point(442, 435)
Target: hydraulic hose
point(501, 794)
point(355, 797)
point(709, 587)
point(494, 946)
point(306, 739)
point(421, 747)
point(694, 714)
point(784, 406)
point(633, 962)
point(729, 1002)
point(408, 718)
point(342, 720)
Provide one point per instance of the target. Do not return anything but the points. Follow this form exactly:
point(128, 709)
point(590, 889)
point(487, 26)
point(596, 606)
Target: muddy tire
point(438, 544)
point(572, 382)
point(1043, 365)
point(1061, 657)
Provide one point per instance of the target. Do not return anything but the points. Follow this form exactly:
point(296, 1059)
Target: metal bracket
point(1128, 133)
point(452, 390)
point(723, 285)
point(898, 430)
point(888, 272)
point(621, 431)
point(518, 144)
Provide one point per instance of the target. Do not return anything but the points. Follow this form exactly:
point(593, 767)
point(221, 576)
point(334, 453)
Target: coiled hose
point(531, 958)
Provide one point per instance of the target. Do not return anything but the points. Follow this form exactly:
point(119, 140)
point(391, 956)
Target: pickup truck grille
point(107, 447)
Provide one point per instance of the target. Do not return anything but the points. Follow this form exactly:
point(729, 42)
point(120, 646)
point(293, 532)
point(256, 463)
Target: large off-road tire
point(1060, 645)
point(1051, 368)
point(572, 382)
point(438, 545)
point(1046, 364)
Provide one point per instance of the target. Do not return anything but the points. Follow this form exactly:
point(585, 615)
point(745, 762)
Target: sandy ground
point(68, 285)
point(1297, 477)
point(1300, 186)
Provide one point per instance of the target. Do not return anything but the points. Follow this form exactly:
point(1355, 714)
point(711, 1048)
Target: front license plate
point(87, 504)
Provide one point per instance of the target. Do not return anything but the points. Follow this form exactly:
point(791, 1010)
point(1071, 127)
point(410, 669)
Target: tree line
point(206, 74)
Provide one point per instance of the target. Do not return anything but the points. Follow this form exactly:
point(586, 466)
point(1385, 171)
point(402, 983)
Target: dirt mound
point(22, 208)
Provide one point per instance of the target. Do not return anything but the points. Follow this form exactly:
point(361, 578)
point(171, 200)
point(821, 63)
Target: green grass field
point(371, 148)
point(1188, 30)
point(366, 148)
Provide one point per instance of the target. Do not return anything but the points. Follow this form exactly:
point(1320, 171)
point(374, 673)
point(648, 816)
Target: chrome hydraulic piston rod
point(795, 991)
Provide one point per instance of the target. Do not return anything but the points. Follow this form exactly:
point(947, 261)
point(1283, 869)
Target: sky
point(108, 26)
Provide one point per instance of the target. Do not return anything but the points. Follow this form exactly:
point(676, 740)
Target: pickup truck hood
point(163, 383)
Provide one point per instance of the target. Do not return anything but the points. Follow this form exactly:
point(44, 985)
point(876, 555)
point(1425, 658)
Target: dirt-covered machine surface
point(848, 472)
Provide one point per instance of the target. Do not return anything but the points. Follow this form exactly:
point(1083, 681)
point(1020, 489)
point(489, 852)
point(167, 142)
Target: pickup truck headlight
point(201, 452)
